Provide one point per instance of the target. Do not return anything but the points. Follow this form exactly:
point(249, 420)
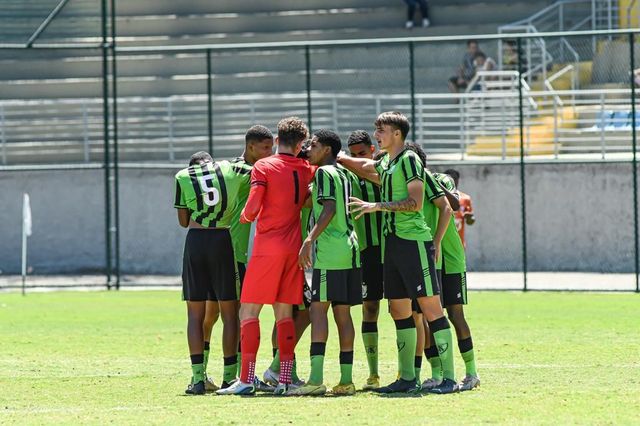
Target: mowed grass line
point(75, 357)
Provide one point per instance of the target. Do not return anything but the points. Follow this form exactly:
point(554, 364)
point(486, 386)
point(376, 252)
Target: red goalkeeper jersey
point(279, 187)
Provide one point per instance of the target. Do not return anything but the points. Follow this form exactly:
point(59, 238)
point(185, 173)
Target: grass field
point(121, 357)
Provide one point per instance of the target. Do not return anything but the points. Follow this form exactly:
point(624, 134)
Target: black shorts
point(242, 269)
point(306, 298)
point(208, 266)
point(454, 289)
point(341, 287)
point(372, 272)
point(415, 307)
point(409, 269)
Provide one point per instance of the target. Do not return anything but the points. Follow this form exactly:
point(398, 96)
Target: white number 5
point(211, 196)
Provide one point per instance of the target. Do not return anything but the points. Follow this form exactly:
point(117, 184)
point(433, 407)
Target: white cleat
point(430, 384)
point(271, 377)
point(425, 23)
point(285, 388)
point(238, 388)
point(468, 383)
point(408, 25)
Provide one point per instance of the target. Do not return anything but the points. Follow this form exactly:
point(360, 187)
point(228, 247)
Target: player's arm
point(442, 203)
point(328, 212)
point(469, 216)
point(363, 167)
point(412, 203)
point(183, 217)
point(256, 195)
point(452, 198)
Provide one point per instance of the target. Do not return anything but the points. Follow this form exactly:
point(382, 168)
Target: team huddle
point(370, 225)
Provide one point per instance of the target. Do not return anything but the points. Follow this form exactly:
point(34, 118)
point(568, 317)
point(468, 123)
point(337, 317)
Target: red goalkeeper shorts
point(271, 279)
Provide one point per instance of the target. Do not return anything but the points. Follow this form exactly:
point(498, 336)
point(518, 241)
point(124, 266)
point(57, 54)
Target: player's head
point(258, 143)
point(455, 175)
point(292, 132)
point(200, 157)
point(325, 146)
point(360, 145)
point(304, 150)
point(418, 150)
point(392, 128)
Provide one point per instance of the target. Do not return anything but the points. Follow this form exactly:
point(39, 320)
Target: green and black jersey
point(432, 190)
point(210, 192)
point(368, 227)
point(240, 231)
point(452, 249)
point(337, 246)
point(395, 176)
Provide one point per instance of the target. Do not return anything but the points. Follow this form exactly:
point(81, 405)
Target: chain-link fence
point(541, 126)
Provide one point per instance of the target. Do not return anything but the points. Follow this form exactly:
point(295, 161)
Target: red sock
point(250, 338)
point(286, 345)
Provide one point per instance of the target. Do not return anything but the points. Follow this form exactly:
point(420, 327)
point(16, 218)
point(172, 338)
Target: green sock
point(239, 358)
point(466, 350)
point(230, 368)
point(434, 360)
point(346, 367)
point(417, 366)
point(370, 340)
point(206, 355)
point(444, 343)
point(317, 362)
point(294, 372)
point(197, 373)
point(275, 364)
point(406, 340)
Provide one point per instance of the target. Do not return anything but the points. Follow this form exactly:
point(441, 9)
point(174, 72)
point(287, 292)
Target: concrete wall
point(579, 218)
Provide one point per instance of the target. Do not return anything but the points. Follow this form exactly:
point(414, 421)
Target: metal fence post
point(634, 161)
point(307, 65)
point(209, 104)
point(412, 83)
point(523, 198)
point(3, 135)
point(116, 169)
point(105, 130)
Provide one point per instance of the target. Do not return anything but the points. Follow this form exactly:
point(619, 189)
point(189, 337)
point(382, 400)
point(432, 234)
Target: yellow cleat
point(373, 382)
point(308, 390)
point(344, 389)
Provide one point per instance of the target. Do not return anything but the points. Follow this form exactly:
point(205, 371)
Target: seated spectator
point(467, 69)
point(509, 56)
point(482, 63)
point(411, 10)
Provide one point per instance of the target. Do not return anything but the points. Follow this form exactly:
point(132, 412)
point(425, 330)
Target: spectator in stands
point(411, 10)
point(483, 63)
point(467, 69)
point(509, 56)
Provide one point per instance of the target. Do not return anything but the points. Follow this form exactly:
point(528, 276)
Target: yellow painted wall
point(624, 4)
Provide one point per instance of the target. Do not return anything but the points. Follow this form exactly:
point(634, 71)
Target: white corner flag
point(26, 232)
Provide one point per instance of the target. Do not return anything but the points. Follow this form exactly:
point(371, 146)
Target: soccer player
point(337, 279)
point(301, 318)
point(279, 187)
point(204, 192)
point(464, 215)
point(454, 291)
point(368, 228)
point(258, 144)
point(409, 253)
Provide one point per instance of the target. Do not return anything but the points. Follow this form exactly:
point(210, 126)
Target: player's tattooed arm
point(327, 213)
point(406, 205)
point(410, 204)
point(363, 167)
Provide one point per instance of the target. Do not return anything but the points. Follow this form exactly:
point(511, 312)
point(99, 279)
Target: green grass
point(122, 358)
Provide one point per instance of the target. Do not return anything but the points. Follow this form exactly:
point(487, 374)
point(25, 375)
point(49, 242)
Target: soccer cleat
point(225, 385)
point(425, 23)
point(469, 382)
point(430, 384)
point(238, 388)
point(284, 389)
point(271, 377)
point(399, 386)
point(447, 386)
point(299, 383)
point(344, 389)
point(209, 385)
point(262, 386)
point(408, 25)
point(195, 388)
point(373, 382)
point(308, 390)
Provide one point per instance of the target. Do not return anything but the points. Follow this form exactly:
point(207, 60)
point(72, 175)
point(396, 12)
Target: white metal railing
point(557, 123)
